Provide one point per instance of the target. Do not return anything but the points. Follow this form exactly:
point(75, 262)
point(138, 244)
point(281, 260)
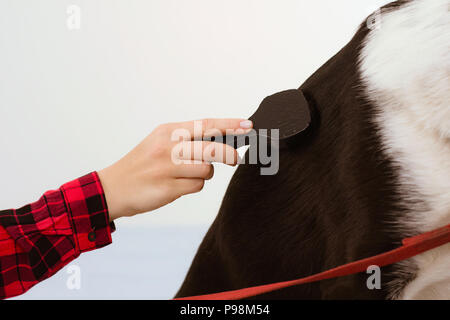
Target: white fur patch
point(405, 65)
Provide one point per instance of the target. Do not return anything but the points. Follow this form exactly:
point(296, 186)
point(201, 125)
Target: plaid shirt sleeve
point(39, 239)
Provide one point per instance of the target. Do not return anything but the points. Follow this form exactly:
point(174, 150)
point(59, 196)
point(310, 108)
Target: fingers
point(210, 127)
point(205, 151)
point(203, 171)
point(186, 186)
point(191, 177)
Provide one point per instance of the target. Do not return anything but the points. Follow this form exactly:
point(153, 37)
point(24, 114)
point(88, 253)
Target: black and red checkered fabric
point(39, 239)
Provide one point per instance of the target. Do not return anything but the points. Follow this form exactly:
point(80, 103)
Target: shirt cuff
point(85, 202)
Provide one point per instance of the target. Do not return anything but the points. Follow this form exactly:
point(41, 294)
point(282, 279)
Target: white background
point(74, 101)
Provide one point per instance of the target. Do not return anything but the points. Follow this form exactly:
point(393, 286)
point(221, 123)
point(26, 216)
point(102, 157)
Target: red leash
point(410, 248)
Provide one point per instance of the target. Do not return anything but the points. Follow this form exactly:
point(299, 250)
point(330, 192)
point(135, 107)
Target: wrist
point(110, 182)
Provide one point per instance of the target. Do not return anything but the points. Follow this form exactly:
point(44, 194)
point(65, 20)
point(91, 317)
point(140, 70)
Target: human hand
point(157, 172)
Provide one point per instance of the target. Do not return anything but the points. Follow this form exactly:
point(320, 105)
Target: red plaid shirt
point(39, 239)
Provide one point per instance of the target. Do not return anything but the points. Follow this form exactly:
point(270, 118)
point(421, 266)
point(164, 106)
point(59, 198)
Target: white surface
point(73, 101)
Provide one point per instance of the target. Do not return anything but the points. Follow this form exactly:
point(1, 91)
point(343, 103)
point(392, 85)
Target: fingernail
point(246, 124)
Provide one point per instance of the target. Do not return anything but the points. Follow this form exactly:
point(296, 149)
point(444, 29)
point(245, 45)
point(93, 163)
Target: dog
point(375, 170)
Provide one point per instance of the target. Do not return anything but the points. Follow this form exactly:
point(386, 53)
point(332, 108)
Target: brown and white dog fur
point(375, 170)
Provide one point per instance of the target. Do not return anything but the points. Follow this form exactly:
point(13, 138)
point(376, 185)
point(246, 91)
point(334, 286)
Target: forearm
point(39, 239)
